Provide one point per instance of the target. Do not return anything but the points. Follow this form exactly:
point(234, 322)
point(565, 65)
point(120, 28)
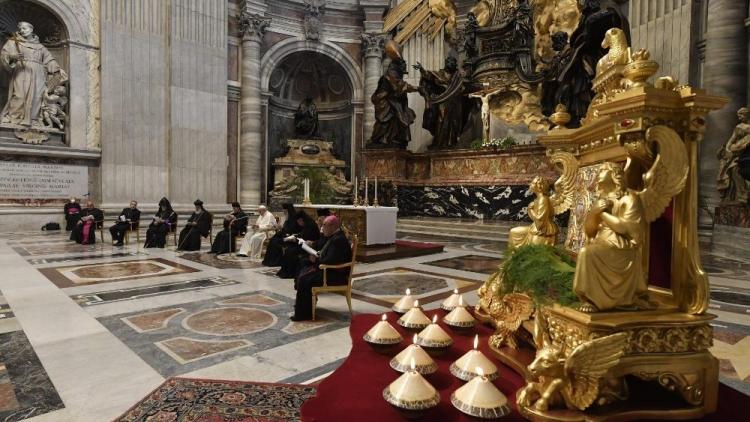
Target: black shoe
point(119, 244)
point(242, 255)
point(295, 318)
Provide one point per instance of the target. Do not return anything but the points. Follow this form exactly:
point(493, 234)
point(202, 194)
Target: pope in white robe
point(252, 244)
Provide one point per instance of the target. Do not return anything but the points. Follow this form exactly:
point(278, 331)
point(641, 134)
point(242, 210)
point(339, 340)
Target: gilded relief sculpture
point(733, 187)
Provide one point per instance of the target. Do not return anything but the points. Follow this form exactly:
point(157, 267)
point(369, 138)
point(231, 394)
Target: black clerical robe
point(128, 218)
point(85, 230)
point(224, 240)
point(294, 257)
point(197, 226)
point(276, 245)
point(335, 250)
point(156, 235)
point(72, 213)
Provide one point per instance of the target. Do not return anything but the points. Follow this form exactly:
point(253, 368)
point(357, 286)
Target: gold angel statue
point(542, 210)
point(574, 380)
point(609, 270)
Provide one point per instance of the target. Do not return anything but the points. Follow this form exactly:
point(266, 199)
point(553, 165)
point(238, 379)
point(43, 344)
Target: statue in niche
point(34, 74)
point(732, 186)
point(523, 27)
point(573, 85)
point(306, 119)
point(553, 91)
point(470, 36)
point(444, 113)
point(312, 22)
point(392, 113)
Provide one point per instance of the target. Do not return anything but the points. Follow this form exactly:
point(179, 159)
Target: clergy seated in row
point(235, 224)
point(294, 257)
point(276, 245)
point(85, 230)
point(252, 244)
point(197, 226)
point(127, 220)
point(332, 248)
point(72, 213)
point(161, 225)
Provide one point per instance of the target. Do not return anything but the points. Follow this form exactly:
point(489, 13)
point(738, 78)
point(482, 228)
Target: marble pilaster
point(725, 74)
point(373, 51)
point(253, 27)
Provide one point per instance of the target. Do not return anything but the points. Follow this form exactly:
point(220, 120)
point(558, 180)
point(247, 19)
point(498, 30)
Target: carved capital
point(373, 44)
point(252, 25)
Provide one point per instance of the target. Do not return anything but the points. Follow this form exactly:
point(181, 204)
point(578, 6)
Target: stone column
point(725, 74)
point(252, 27)
point(372, 45)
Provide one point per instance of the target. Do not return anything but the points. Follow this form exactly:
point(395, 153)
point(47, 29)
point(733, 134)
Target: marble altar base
point(372, 225)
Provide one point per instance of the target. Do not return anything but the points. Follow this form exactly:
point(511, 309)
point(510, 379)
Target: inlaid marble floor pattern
point(98, 327)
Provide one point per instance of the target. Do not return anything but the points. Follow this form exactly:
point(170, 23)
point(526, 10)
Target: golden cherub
point(609, 269)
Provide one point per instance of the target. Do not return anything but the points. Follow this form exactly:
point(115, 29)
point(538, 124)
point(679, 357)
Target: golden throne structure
point(647, 355)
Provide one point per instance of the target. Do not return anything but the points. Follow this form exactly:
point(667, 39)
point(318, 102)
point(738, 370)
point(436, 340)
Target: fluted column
point(372, 45)
point(252, 26)
point(725, 74)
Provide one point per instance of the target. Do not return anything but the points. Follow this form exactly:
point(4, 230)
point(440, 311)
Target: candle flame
point(413, 365)
point(434, 319)
point(455, 291)
point(480, 372)
point(416, 303)
point(383, 318)
point(414, 339)
point(476, 341)
point(408, 291)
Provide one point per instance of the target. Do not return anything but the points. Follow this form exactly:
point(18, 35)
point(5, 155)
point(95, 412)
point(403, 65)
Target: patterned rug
point(196, 400)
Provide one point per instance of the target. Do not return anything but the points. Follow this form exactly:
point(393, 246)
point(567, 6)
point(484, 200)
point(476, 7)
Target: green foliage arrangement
point(545, 273)
point(320, 192)
point(495, 143)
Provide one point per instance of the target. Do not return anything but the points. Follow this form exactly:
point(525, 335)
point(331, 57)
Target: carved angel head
point(743, 114)
point(539, 185)
point(611, 180)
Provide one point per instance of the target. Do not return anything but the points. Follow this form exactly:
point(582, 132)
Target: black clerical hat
point(198, 203)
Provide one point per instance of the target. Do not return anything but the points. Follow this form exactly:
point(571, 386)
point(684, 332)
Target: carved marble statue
point(730, 183)
point(306, 119)
point(392, 113)
point(578, 73)
point(312, 22)
point(444, 113)
point(53, 107)
point(609, 271)
point(29, 63)
point(485, 96)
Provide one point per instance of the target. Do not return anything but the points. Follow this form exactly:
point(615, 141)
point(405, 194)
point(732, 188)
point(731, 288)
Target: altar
point(372, 225)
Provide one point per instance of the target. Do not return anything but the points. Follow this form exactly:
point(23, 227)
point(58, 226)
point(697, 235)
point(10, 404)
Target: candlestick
point(414, 352)
point(465, 367)
point(411, 393)
point(434, 339)
point(382, 336)
point(367, 197)
point(355, 202)
point(480, 398)
point(414, 319)
point(375, 201)
point(404, 304)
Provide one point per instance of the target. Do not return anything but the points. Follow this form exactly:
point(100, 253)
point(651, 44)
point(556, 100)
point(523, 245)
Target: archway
point(305, 74)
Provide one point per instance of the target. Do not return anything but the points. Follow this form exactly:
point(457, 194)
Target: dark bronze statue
point(570, 82)
point(392, 113)
point(470, 36)
point(445, 108)
point(553, 92)
point(306, 119)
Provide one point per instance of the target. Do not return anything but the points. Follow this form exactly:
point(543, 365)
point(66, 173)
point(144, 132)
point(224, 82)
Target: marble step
point(457, 234)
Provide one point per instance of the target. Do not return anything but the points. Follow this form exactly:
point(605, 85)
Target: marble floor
point(87, 331)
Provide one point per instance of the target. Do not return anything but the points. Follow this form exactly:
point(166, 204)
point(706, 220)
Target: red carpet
point(196, 400)
point(354, 391)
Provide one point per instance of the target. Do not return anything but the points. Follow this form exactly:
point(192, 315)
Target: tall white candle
point(356, 190)
point(376, 189)
point(367, 197)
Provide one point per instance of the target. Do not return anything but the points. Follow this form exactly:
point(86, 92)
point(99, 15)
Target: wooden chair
point(344, 289)
point(269, 234)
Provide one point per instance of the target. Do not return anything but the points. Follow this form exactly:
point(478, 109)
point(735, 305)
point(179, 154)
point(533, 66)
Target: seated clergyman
point(235, 224)
point(252, 244)
point(127, 220)
point(197, 226)
point(334, 248)
point(72, 213)
point(85, 230)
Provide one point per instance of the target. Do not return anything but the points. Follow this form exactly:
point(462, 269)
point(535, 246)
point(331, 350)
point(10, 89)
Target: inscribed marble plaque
point(24, 180)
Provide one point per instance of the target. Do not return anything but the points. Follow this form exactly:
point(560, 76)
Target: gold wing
point(667, 175)
point(587, 364)
point(562, 199)
point(518, 309)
